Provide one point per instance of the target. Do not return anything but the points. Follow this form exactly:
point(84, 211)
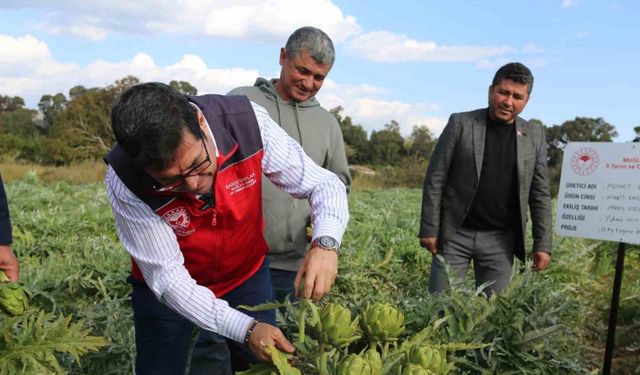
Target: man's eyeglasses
point(197, 170)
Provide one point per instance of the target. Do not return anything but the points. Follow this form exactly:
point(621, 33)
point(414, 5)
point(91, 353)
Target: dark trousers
point(165, 341)
point(282, 282)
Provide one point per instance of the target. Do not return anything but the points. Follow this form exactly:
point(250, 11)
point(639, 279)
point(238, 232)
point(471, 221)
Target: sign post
point(599, 198)
point(613, 312)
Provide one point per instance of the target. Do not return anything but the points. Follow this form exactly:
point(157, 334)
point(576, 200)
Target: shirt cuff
point(235, 325)
point(329, 228)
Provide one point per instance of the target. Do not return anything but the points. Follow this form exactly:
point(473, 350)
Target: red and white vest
point(222, 245)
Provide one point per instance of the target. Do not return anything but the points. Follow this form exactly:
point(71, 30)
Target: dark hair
point(148, 121)
point(515, 72)
point(314, 40)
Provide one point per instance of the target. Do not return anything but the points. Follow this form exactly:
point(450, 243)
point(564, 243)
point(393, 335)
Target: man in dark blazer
point(488, 167)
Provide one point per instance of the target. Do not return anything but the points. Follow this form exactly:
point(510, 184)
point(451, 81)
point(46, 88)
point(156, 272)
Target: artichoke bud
point(354, 364)
point(375, 361)
point(337, 328)
point(413, 369)
point(429, 358)
point(382, 322)
point(14, 298)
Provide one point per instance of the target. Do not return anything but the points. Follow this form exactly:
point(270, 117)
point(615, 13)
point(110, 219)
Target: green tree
point(77, 91)
point(184, 87)
point(119, 86)
point(581, 129)
point(17, 129)
point(637, 130)
point(10, 103)
point(393, 126)
point(49, 105)
point(18, 134)
point(587, 129)
point(387, 145)
point(82, 127)
point(14, 118)
point(355, 138)
point(82, 130)
point(18, 122)
point(421, 142)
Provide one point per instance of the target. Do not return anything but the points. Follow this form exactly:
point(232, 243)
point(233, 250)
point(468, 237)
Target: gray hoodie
point(318, 131)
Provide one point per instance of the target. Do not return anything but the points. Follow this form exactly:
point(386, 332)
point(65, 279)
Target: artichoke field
point(378, 318)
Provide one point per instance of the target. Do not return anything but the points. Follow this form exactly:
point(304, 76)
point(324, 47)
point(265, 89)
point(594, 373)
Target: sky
point(415, 62)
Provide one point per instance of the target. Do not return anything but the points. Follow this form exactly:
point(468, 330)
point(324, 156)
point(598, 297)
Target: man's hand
point(430, 243)
point(319, 270)
point(265, 334)
point(541, 260)
point(9, 263)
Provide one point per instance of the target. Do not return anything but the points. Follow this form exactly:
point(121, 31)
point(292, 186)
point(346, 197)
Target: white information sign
point(599, 194)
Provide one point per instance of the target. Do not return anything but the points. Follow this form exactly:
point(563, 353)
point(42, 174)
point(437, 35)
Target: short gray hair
point(314, 40)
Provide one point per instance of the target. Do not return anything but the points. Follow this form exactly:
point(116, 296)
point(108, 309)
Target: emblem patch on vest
point(179, 220)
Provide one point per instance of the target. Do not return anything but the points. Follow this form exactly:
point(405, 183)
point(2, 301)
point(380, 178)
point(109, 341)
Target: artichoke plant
point(382, 322)
point(336, 327)
point(354, 364)
point(375, 361)
point(14, 296)
point(413, 369)
point(430, 358)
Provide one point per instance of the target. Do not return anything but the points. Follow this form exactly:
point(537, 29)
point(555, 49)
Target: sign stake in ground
point(613, 312)
point(599, 198)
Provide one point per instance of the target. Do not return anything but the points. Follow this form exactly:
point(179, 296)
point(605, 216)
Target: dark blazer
point(454, 173)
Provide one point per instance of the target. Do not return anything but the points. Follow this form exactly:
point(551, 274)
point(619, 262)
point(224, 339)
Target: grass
point(82, 173)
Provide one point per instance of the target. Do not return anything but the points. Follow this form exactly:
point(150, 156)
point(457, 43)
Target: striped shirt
point(153, 245)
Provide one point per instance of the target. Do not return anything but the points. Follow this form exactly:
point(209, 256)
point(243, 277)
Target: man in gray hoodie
point(290, 100)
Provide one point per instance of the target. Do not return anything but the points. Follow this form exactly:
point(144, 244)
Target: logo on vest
point(241, 183)
point(179, 220)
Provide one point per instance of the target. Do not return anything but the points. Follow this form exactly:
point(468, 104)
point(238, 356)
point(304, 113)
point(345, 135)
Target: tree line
point(76, 127)
point(64, 128)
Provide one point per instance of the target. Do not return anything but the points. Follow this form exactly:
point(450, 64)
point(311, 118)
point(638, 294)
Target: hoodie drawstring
point(298, 123)
point(279, 113)
point(296, 115)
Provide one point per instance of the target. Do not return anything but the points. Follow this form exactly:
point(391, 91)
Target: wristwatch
point(326, 243)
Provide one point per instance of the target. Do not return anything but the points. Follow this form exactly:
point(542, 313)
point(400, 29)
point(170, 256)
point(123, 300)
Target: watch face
point(327, 242)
